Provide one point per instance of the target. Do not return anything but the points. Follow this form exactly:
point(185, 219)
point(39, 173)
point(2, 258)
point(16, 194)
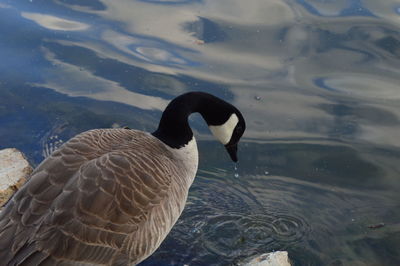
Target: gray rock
point(277, 258)
point(14, 169)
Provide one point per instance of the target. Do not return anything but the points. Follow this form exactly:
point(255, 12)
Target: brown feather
point(105, 197)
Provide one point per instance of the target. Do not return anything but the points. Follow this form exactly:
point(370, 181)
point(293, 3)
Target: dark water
point(318, 82)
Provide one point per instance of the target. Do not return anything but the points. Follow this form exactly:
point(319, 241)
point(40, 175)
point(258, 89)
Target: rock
point(277, 258)
point(14, 169)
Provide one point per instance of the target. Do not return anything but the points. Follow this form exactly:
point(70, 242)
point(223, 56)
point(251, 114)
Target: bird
point(111, 196)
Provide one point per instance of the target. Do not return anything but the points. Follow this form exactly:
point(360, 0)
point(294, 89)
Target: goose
point(111, 196)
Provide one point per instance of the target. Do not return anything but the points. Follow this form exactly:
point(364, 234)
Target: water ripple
point(224, 222)
point(230, 235)
point(289, 228)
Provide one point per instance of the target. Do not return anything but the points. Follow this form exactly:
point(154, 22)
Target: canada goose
point(110, 196)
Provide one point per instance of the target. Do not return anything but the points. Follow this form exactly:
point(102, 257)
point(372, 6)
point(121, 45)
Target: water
point(318, 84)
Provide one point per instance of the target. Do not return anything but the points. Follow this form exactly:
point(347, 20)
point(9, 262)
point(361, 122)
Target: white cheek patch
point(224, 132)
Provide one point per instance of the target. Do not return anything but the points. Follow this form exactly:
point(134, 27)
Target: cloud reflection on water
point(77, 82)
point(55, 23)
point(150, 50)
point(264, 53)
point(341, 8)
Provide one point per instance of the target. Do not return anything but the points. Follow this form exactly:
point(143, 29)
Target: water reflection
point(170, 2)
point(316, 80)
point(84, 6)
point(341, 8)
point(77, 81)
point(149, 50)
point(54, 23)
point(361, 86)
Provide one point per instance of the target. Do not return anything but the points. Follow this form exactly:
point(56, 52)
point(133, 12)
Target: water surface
point(317, 81)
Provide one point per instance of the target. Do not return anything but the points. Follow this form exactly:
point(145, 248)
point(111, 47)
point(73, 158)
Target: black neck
point(174, 129)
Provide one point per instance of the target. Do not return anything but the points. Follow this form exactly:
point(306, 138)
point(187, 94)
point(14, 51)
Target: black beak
point(232, 150)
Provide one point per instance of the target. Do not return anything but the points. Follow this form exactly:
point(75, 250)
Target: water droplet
point(236, 171)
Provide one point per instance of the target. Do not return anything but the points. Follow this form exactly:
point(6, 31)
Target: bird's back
point(105, 197)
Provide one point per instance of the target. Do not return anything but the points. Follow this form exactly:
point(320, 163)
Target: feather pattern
point(105, 197)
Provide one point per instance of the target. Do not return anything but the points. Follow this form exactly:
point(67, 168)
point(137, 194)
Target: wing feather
point(83, 202)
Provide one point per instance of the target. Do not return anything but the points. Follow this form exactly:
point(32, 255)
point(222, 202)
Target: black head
point(224, 120)
point(230, 130)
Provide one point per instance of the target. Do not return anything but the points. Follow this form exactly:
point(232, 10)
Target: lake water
point(318, 82)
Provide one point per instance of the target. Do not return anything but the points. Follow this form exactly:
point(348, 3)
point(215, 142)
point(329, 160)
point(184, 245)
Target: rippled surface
point(317, 81)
